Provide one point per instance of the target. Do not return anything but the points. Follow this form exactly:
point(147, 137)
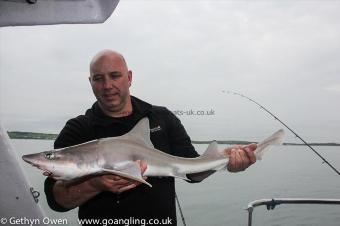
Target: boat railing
point(272, 203)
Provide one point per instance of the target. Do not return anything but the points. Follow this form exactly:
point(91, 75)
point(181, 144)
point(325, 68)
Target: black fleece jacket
point(167, 134)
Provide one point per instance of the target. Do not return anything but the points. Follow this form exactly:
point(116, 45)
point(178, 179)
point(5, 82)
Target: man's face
point(110, 81)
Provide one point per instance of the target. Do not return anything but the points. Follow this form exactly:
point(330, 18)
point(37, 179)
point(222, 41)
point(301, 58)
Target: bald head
point(108, 55)
point(110, 80)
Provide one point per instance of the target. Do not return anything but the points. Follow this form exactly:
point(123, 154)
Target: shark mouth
point(47, 173)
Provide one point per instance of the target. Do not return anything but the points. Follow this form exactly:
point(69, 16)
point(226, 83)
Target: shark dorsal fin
point(141, 133)
point(212, 150)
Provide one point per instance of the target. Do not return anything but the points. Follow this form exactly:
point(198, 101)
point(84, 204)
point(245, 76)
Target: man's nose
point(108, 84)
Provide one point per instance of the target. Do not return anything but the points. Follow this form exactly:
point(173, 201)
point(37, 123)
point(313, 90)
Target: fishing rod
point(284, 124)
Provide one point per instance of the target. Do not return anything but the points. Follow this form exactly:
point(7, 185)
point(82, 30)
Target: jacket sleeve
point(181, 145)
point(76, 131)
point(179, 140)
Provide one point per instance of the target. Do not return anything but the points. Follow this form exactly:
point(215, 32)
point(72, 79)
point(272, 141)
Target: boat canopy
point(44, 12)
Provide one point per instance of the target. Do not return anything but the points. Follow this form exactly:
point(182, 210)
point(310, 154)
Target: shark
point(119, 155)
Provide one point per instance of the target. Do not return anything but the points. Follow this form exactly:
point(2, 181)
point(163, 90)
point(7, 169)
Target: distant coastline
point(250, 142)
point(31, 135)
point(51, 136)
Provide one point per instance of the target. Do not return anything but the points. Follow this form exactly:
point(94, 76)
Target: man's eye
point(115, 75)
point(97, 79)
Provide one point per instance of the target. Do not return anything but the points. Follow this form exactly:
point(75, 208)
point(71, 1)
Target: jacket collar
point(140, 109)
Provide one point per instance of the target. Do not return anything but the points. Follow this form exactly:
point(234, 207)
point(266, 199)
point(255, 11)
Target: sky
point(186, 55)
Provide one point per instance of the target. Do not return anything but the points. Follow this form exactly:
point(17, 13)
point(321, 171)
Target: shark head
point(55, 164)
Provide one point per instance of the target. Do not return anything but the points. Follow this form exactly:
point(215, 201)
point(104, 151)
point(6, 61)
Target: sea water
point(285, 171)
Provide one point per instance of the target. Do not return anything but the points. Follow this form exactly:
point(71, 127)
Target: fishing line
point(284, 124)
point(180, 210)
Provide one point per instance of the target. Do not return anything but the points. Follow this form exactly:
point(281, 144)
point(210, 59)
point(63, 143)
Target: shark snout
point(31, 159)
point(26, 158)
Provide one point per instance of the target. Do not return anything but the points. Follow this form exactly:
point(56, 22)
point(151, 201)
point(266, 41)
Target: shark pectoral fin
point(126, 175)
point(181, 176)
point(131, 171)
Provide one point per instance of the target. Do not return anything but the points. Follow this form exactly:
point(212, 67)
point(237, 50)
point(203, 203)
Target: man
point(114, 114)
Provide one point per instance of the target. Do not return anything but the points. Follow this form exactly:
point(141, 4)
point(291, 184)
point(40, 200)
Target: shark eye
point(50, 155)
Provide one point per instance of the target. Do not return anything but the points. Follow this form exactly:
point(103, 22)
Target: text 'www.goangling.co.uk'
point(126, 222)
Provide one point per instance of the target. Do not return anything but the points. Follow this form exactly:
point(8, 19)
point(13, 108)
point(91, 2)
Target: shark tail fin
point(275, 139)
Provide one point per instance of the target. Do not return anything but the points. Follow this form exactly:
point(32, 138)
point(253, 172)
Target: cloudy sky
point(186, 55)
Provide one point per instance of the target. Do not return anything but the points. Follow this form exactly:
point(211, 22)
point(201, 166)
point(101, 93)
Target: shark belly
point(180, 167)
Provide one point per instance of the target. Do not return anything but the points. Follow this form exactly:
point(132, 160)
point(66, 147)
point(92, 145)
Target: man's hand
point(240, 157)
point(114, 183)
point(73, 195)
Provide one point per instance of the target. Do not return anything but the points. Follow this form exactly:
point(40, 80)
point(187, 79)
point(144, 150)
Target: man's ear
point(130, 77)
